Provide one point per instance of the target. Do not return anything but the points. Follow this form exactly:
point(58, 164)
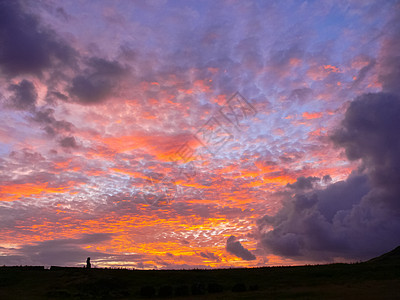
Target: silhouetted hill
point(378, 278)
point(392, 257)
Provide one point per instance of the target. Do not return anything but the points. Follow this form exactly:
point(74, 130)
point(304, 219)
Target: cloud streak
point(236, 248)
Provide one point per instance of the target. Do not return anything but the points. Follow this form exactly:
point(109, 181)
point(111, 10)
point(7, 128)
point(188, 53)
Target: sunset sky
point(198, 134)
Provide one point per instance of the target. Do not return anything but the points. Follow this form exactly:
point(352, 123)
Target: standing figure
point(88, 265)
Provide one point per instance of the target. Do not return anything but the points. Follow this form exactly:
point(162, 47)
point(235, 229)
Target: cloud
point(364, 71)
point(210, 256)
point(236, 248)
point(26, 156)
point(355, 218)
point(302, 94)
point(326, 179)
point(26, 46)
point(24, 97)
point(389, 62)
point(59, 251)
point(99, 81)
point(370, 133)
point(303, 183)
point(52, 126)
point(68, 142)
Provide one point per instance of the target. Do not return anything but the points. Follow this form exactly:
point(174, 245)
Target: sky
point(198, 134)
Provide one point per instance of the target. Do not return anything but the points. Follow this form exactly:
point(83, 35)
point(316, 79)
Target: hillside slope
point(391, 257)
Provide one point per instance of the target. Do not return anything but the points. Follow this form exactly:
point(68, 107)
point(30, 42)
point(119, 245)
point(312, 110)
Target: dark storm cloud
point(24, 97)
point(98, 82)
point(358, 217)
point(25, 46)
point(371, 133)
point(235, 247)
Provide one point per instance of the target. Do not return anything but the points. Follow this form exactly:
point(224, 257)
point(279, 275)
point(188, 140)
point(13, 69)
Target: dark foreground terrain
point(376, 279)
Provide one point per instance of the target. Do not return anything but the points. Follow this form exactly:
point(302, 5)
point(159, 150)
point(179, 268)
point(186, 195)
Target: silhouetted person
point(88, 265)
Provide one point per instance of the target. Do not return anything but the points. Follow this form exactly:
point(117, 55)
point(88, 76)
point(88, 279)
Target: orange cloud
point(312, 115)
point(12, 192)
point(321, 72)
point(331, 68)
point(164, 147)
point(294, 61)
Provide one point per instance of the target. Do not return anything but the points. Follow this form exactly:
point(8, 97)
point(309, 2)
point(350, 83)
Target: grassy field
point(376, 279)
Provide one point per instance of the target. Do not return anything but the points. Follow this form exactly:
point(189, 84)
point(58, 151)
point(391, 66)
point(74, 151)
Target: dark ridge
point(55, 268)
point(28, 268)
point(392, 257)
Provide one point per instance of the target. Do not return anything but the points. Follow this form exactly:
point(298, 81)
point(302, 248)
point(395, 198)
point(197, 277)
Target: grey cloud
point(58, 95)
point(98, 82)
point(62, 14)
point(301, 94)
point(26, 156)
point(64, 251)
point(364, 71)
point(24, 97)
point(14, 260)
point(370, 132)
point(389, 73)
point(305, 226)
point(209, 255)
point(44, 116)
point(303, 183)
point(236, 248)
point(280, 59)
point(327, 179)
point(68, 142)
